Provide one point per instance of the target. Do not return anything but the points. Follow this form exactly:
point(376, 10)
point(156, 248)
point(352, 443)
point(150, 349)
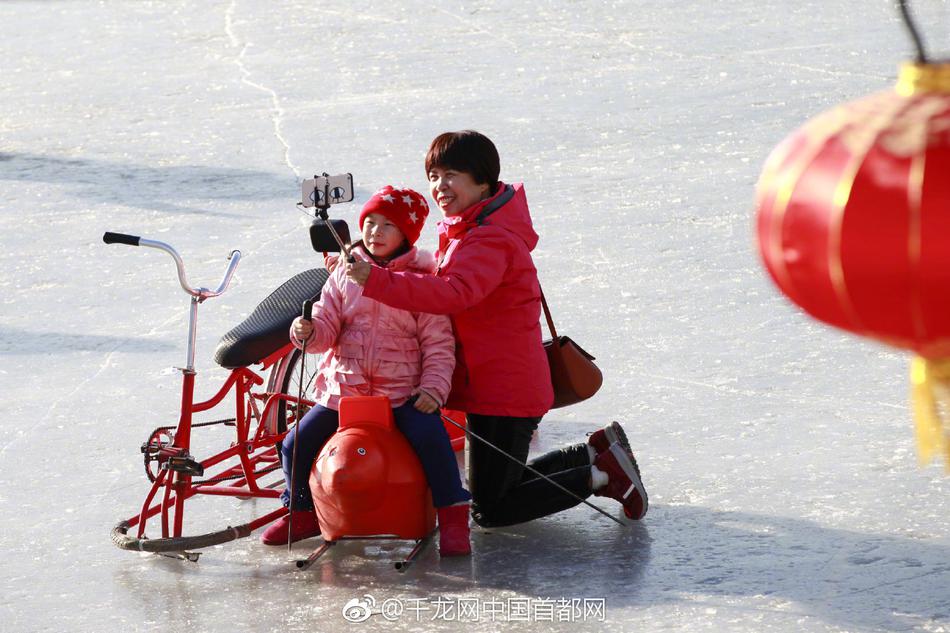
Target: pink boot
point(305, 525)
point(453, 531)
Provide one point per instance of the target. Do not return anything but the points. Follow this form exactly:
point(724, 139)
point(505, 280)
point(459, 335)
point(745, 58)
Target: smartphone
point(322, 191)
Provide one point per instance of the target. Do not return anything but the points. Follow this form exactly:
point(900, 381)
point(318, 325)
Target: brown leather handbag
point(574, 375)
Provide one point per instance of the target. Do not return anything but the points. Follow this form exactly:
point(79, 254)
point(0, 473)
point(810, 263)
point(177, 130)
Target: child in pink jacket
point(371, 350)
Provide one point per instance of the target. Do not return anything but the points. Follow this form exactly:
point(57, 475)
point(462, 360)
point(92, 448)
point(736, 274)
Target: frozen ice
point(778, 453)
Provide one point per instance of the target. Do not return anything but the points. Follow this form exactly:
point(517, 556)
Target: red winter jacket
point(487, 283)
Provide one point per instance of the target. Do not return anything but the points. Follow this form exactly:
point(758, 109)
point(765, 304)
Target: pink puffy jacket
point(375, 349)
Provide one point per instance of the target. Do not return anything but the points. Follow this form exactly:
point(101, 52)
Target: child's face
point(454, 191)
point(380, 236)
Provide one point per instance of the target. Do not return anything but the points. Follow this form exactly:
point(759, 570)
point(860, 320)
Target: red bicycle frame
point(253, 448)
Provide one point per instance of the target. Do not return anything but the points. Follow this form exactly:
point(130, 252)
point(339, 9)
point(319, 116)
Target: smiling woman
point(487, 283)
point(462, 168)
point(455, 191)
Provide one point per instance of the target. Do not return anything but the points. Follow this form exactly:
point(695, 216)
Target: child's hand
point(330, 261)
point(302, 329)
point(359, 272)
point(426, 403)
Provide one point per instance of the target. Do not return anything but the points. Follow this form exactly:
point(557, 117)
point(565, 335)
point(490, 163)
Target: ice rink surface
point(778, 453)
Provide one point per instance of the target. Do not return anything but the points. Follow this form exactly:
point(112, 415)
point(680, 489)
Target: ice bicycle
point(267, 381)
point(264, 406)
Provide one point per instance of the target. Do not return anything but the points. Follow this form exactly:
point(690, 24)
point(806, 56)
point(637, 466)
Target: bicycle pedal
point(183, 464)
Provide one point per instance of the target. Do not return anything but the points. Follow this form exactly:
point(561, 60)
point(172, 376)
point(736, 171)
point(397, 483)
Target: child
point(377, 350)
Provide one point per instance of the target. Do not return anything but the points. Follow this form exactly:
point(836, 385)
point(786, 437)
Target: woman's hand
point(426, 403)
point(302, 329)
point(359, 272)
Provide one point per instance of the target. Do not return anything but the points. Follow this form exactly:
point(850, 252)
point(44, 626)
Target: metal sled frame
point(401, 566)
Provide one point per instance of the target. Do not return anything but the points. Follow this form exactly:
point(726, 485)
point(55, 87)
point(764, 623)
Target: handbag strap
point(547, 315)
point(496, 204)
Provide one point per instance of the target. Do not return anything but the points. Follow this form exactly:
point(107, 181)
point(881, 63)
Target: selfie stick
point(532, 470)
point(343, 247)
point(307, 316)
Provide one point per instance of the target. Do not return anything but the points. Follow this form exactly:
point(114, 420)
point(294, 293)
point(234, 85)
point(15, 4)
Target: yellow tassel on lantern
point(930, 390)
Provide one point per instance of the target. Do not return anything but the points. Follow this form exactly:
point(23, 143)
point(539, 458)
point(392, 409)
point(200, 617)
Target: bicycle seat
point(267, 328)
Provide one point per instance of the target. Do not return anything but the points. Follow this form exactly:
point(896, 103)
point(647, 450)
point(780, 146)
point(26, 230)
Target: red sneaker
point(613, 432)
point(305, 525)
point(623, 481)
point(453, 531)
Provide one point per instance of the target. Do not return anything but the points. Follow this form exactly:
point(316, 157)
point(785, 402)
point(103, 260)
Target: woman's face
point(380, 236)
point(454, 191)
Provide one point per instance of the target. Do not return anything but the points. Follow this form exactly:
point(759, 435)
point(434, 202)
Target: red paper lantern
point(853, 217)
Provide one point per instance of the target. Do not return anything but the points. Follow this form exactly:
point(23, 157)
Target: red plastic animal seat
point(367, 481)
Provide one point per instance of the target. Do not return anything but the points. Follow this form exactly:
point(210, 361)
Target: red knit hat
point(405, 208)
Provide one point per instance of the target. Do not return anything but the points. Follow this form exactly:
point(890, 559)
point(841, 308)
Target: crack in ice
point(890, 583)
point(47, 418)
point(752, 393)
point(474, 28)
point(277, 111)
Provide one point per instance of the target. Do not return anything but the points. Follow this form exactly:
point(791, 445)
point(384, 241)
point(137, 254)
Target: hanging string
point(914, 33)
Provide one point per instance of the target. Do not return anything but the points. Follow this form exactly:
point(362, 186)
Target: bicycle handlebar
point(200, 293)
point(120, 238)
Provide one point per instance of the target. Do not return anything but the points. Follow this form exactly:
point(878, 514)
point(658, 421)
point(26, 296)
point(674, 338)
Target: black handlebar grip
point(308, 309)
point(120, 238)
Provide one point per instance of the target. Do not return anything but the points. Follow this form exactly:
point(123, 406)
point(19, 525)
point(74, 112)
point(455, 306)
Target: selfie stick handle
point(307, 315)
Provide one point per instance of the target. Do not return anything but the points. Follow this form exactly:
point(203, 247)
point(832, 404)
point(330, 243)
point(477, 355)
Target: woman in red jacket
point(486, 282)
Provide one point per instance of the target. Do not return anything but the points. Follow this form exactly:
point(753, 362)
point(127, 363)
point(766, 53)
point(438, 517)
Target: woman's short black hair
point(467, 151)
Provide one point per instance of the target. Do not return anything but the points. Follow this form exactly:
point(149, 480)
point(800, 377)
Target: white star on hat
point(407, 200)
point(412, 216)
point(388, 198)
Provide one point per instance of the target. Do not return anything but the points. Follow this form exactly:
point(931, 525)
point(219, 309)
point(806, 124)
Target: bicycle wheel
point(285, 378)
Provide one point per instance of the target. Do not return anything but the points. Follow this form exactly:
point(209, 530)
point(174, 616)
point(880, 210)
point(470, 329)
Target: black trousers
point(504, 492)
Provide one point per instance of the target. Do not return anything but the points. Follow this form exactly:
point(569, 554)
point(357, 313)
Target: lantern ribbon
point(930, 394)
